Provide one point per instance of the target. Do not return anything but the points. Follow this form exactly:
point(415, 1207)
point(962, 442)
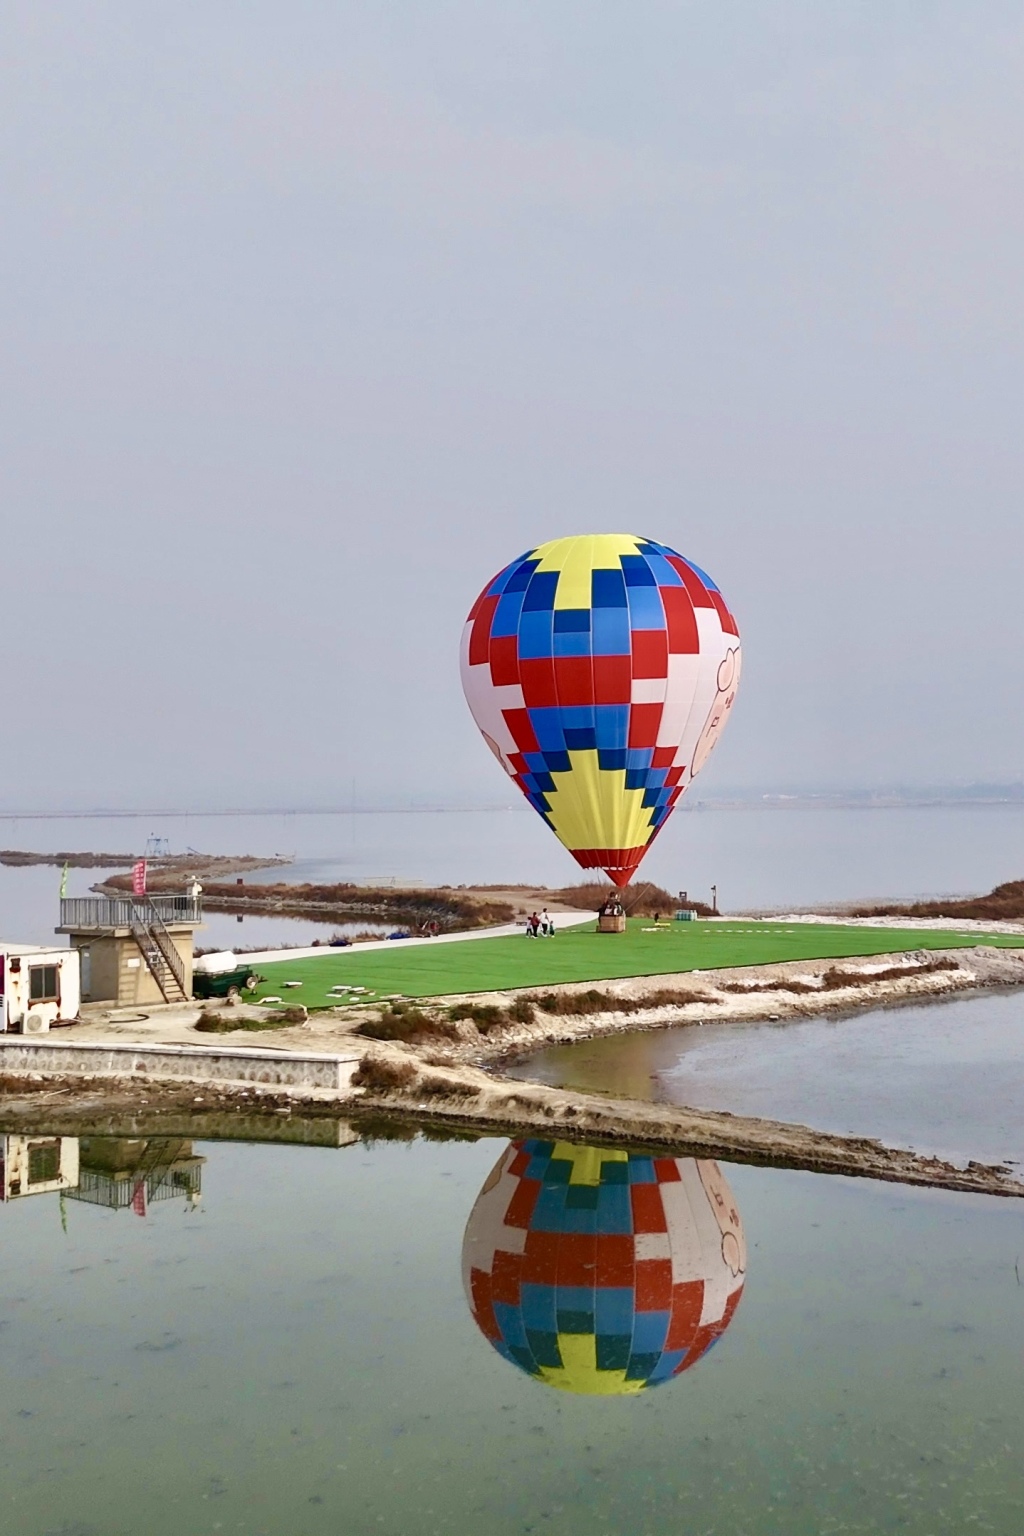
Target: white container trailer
point(38, 987)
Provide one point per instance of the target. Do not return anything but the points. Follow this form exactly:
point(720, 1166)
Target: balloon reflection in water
point(600, 1271)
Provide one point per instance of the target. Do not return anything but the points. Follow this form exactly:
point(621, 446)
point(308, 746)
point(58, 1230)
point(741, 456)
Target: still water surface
point(291, 1353)
point(946, 1079)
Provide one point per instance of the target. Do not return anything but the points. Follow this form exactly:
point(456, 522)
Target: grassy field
point(581, 954)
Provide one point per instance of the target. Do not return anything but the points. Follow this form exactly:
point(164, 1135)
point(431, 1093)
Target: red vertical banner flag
point(139, 878)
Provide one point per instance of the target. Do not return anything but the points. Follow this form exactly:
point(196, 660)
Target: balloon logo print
point(601, 1271)
point(601, 671)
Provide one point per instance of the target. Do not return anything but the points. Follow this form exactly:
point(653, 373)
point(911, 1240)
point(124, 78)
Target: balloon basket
point(611, 923)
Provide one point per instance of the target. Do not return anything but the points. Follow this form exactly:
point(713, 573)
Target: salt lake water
point(945, 1079)
point(755, 857)
point(290, 1352)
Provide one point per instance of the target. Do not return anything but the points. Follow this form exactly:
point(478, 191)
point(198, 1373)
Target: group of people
point(540, 926)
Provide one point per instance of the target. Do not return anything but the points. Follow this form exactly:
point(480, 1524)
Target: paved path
point(504, 931)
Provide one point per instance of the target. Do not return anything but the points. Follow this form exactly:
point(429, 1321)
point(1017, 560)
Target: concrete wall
point(190, 1063)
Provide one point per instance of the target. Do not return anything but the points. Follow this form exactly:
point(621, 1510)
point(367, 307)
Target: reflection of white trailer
point(37, 1165)
point(38, 987)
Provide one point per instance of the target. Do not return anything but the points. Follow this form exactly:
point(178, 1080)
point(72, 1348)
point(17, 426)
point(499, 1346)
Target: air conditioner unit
point(35, 1024)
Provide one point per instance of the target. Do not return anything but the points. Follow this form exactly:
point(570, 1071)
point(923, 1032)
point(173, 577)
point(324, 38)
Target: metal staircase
point(154, 1166)
point(158, 951)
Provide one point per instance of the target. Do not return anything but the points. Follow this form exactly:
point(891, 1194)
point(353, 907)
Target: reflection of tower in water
point(600, 1271)
point(121, 1172)
point(114, 1171)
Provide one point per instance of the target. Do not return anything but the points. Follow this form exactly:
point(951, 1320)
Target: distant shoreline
point(940, 799)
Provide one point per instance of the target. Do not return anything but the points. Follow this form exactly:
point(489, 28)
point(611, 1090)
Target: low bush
point(670, 997)
point(488, 1016)
point(226, 1024)
point(484, 1015)
point(746, 988)
point(834, 978)
point(575, 1004)
point(384, 1073)
point(444, 1088)
point(402, 1022)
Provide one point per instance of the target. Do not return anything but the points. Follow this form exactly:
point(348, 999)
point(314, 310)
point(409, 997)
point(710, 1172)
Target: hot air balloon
point(600, 1271)
point(601, 671)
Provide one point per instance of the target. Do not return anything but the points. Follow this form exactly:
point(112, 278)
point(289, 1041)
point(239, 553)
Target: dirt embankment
point(445, 1101)
point(164, 871)
point(397, 1092)
point(453, 908)
point(343, 902)
point(465, 1097)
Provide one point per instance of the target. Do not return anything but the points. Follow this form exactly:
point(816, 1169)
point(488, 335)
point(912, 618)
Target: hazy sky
point(314, 314)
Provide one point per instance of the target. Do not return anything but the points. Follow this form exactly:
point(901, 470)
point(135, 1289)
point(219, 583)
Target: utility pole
point(714, 899)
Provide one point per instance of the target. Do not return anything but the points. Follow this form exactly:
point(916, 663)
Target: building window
point(42, 984)
point(44, 1162)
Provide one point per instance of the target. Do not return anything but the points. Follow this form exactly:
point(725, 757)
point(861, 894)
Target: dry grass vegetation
point(408, 1022)
point(445, 1088)
point(385, 1073)
point(1003, 904)
point(389, 1074)
point(574, 1004)
point(488, 1016)
point(210, 1023)
point(404, 908)
point(404, 1021)
point(834, 979)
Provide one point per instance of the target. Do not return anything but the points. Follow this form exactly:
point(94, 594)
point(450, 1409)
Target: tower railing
point(117, 912)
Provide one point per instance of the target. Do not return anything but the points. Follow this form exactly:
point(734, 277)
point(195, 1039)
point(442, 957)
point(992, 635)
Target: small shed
point(39, 987)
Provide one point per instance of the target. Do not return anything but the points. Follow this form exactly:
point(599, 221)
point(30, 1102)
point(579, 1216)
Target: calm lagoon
point(945, 1079)
point(289, 1350)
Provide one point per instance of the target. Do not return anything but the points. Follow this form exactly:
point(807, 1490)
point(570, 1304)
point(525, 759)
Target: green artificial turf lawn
point(582, 954)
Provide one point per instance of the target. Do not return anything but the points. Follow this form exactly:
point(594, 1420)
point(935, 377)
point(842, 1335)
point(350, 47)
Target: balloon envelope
point(600, 1271)
point(601, 670)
